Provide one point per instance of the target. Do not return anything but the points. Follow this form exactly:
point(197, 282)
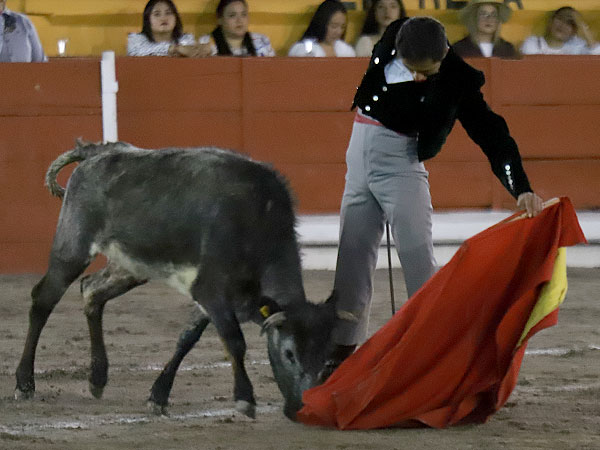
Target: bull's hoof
point(96, 391)
point(156, 409)
point(23, 395)
point(246, 408)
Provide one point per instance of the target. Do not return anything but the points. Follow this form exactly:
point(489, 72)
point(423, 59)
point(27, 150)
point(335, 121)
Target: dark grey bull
point(214, 224)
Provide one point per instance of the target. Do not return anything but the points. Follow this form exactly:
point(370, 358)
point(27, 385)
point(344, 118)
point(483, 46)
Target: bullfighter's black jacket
point(430, 108)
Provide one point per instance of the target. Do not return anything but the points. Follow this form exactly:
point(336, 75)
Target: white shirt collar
point(396, 72)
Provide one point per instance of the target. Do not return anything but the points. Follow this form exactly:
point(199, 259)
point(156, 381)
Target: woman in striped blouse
point(162, 34)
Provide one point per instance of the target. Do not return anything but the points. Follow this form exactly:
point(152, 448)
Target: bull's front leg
point(235, 345)
point(228, 328)
point(161, 389)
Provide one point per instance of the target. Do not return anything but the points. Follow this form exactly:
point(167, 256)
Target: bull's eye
point(290, 356)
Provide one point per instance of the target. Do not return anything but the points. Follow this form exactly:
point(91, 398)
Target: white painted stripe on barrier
point(325, 257)
point(318, 237)
point(447, 226)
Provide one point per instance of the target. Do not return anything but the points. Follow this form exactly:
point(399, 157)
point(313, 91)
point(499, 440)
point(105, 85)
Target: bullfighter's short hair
point(422, 38)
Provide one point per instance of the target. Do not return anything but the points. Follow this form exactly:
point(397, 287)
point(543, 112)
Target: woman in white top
point(325, 33)
point(566, 34)
point(379, 16)
point(231, 37)
point(162, 33)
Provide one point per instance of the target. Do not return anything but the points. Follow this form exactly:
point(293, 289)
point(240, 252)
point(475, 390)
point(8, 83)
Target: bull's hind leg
point(213, 297)
point(161, 389)
point(45, 295)
point(97, 289)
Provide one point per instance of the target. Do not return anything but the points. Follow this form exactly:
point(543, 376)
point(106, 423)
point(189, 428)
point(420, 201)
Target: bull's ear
point(325, 312)
point(272, 314)
point(268, 307)
point(273, 321)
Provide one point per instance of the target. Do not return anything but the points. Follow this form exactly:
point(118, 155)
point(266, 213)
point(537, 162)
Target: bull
point(212, 223)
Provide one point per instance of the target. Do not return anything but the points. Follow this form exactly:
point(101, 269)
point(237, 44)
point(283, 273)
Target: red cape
point(450, 354)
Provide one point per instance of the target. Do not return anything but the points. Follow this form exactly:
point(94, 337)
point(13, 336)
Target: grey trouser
point(384, 180)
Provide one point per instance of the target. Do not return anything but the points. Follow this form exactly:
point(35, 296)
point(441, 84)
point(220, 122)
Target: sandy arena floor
point(556, 404)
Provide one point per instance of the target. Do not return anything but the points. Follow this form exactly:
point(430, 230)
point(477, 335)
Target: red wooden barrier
point(43, 108)
point(291, 112)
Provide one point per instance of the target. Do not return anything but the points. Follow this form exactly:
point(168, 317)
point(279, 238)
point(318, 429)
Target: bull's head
point(299, 341)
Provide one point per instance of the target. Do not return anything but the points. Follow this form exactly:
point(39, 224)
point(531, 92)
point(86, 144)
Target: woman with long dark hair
point(231, 37)
point(162, 33)
point(325, 33)
point(379, 16)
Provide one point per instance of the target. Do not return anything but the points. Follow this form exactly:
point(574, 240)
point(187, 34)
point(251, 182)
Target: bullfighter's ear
point(269, 307)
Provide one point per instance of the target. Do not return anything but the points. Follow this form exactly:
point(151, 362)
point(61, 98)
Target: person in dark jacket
point(413, 91)
point(483, 19)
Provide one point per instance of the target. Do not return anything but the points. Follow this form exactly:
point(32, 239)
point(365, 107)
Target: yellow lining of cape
point(552, 294)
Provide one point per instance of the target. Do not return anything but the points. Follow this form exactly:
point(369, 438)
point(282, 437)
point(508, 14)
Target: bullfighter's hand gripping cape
point(452, 353)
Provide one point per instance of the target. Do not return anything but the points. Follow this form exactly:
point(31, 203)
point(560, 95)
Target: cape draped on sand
point(452, 353)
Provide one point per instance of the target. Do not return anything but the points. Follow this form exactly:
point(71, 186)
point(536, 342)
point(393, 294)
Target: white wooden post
point(110, 87)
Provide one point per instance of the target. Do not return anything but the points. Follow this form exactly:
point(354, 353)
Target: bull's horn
point(273, 320)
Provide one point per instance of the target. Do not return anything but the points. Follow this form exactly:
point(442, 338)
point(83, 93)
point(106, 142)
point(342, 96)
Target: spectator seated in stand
point(483, 19)
point(231, 37)
point(162, 34)
point(566, 34)
point(325, 33)
point(19, 41)
point(379, 16)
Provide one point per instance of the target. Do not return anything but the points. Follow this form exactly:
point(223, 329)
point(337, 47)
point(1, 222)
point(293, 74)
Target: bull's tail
point(60, 162)
point(81, 151)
